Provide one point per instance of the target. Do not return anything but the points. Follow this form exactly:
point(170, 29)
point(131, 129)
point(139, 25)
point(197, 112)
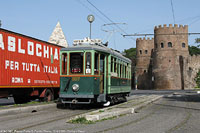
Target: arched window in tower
point(183, 45)
point(162, 45)
point(140, 51)
point(146, 51)
point(169, 44)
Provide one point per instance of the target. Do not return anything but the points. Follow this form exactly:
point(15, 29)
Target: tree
point(197, 79)
point(197, 40)
point(131, 54)
point(193, 50)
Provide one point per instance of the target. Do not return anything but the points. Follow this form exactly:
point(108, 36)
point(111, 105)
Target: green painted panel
point(120, 85)
point(120, 82)
point(119, 89)
point(87, 85)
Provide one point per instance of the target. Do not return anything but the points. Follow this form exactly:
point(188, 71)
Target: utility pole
point(0, 23)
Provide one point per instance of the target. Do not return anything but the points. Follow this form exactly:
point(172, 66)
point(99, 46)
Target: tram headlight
point(75, 87)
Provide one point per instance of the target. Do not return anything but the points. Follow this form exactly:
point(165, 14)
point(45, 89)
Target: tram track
point(39, 120)
point(61, 117)
point(57, 118)
point(25, 121)
point(130, 122)
point(23, 115)
point(184, 121)
point(180, 124)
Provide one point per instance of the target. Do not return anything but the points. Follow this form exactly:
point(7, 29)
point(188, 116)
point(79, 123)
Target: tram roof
point(100, 48)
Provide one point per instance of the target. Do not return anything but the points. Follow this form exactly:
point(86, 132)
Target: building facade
point(143, 74)
point(170, 65)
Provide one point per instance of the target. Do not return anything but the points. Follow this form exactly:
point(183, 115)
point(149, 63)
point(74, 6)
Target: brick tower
point(170, 56)
point(144, 49)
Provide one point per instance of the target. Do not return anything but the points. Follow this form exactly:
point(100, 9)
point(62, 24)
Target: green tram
point(93, 73)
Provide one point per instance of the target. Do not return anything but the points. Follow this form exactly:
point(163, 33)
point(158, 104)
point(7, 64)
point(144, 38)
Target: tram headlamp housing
point(75, 87)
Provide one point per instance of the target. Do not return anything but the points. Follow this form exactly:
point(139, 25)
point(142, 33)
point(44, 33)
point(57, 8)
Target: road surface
point(175, 113)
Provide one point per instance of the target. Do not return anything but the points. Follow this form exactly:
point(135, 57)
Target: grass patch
point(29, 103)
point(196, 88)
point(100, 111)
point(81, 120)
point(33, 102)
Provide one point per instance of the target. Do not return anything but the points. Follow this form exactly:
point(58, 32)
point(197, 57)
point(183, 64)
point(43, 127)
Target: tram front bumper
point(76, 99)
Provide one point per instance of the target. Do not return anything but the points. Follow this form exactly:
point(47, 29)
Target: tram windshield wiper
point(67, 85)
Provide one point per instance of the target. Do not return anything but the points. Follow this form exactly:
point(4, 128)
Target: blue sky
point(38, 18)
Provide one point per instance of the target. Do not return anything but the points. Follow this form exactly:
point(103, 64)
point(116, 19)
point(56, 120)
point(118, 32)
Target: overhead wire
point(91, 11)
point(188, 19)
point(103, 14)
point(173, 11)
point(196, 20)
point(98, 16)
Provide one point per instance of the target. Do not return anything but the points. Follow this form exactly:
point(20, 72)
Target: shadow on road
point(192, 102)
point(185, 97)
point(79, 107)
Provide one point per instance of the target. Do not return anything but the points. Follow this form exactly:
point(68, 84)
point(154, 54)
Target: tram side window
point(112, 63)
point(76, 63)
point(88, 63)
point(64, 63)
point(96, 63)
point(120, 70)
point(125, 71)
point(115, 65)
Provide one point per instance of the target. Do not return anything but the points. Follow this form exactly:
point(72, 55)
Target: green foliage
point(81, 120)
point(197, 40)
point(130, 53)
point(101, 111)
point(193, 50)
point(197, 79)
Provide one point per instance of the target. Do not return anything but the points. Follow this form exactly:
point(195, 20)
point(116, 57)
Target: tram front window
point(64, 63)
point(76, 63)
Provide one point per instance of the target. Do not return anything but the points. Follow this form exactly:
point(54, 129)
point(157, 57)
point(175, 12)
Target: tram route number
point(75, 78)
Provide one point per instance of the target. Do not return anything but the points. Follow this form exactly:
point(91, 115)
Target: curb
point(109, 114)
point(26, 109)
point(119, 112)
point(116, 111)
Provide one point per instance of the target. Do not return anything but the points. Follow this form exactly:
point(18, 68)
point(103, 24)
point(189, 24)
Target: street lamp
point(90, 18)
point(0, 23)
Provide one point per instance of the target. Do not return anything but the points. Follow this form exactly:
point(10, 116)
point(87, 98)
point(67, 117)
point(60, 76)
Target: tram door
point(102, 72)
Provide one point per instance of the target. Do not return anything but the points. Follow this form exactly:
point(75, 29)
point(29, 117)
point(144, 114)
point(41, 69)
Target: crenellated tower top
point(172, 37)
point(176, 26)
point(144, 46)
